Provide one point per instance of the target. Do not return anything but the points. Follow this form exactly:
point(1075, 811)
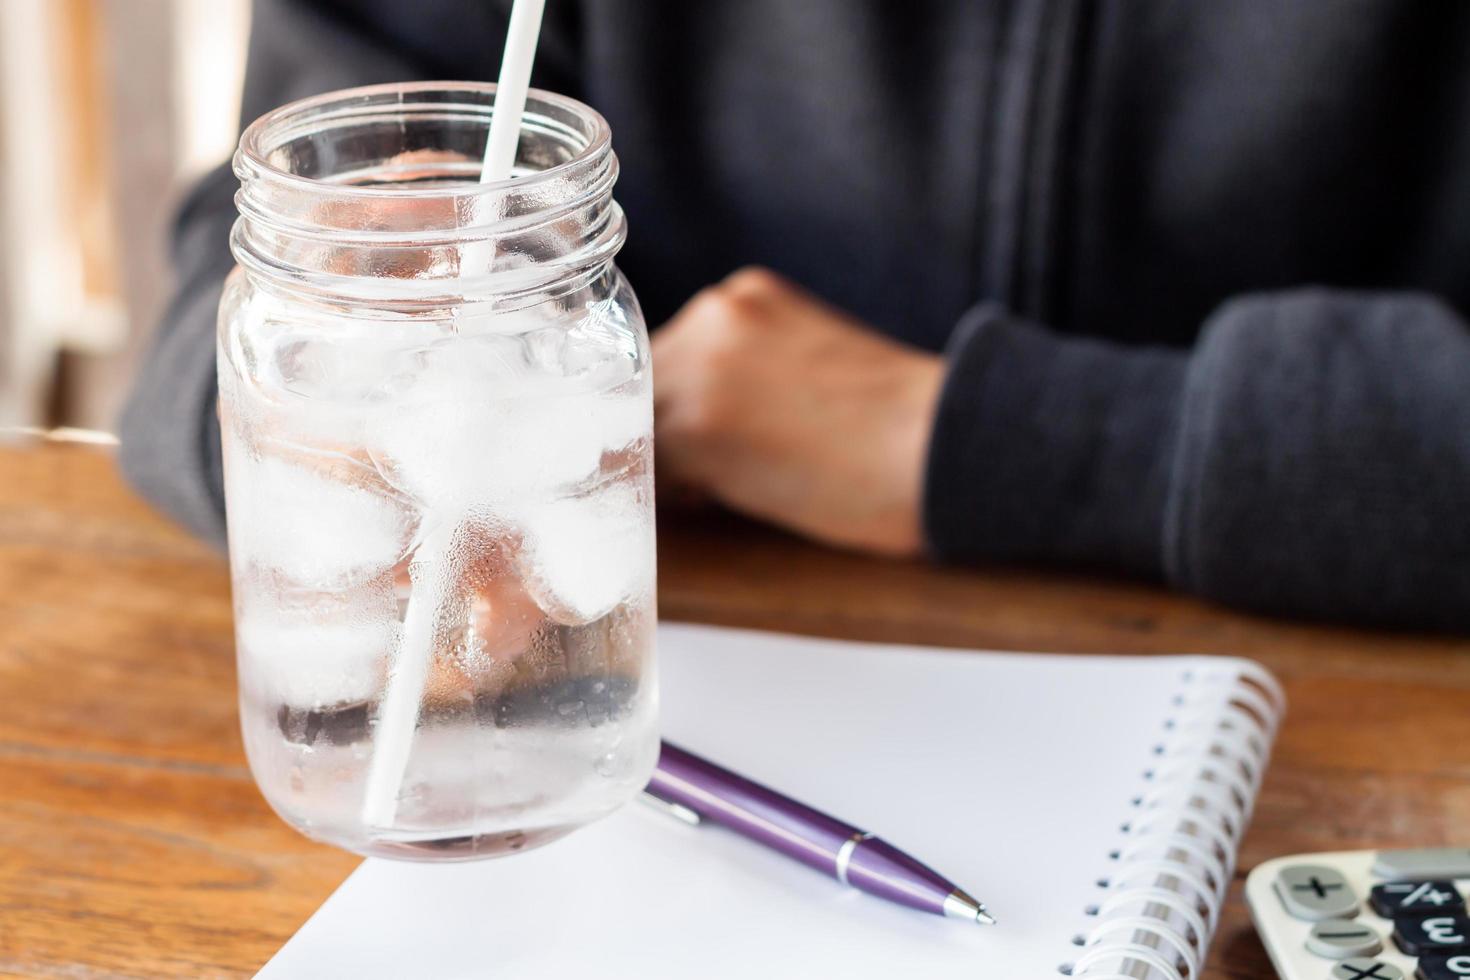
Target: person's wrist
point(921, 380)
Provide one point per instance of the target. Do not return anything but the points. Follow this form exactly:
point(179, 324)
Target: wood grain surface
point(133, 843)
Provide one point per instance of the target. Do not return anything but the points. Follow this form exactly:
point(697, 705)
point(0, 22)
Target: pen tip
point(958, 905)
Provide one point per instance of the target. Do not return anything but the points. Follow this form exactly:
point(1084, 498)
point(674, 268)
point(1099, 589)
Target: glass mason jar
point(436, 411)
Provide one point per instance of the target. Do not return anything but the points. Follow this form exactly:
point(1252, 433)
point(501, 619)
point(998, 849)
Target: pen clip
point(676, 810)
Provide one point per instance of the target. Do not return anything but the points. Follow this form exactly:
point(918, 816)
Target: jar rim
point(304, 231)
point(256, 145)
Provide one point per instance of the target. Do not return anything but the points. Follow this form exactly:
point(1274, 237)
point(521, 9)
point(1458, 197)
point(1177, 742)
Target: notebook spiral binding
point(1168, 877)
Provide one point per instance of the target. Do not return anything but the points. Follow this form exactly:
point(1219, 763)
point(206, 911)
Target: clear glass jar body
point(436, 411)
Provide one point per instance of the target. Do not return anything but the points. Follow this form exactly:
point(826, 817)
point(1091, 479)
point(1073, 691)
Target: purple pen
point(694, 788)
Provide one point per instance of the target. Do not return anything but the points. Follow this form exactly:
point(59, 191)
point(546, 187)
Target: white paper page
point(1009, 773)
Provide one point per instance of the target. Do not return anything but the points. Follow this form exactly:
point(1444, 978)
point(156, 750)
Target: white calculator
point(1364, 915)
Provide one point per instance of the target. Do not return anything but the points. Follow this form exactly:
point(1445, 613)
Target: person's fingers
point(675, 456)
point(699, 359)
point(672, 350)
point(666, 349)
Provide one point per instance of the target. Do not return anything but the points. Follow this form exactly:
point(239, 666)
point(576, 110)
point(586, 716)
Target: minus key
point(1339, 939)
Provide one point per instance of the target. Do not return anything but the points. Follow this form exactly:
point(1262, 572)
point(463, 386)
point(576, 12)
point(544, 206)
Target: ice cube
point(472, 450)
point(320, 520)
point(311, 661)
point(557, 441)
point(437, 442)
point(625, 418)
point(516, 404)
point(598, 351)
point(338, 359)
point(320, 376)
point(585, 555)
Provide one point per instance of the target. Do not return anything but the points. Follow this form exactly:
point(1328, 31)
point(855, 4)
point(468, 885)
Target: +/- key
point(1399, 897)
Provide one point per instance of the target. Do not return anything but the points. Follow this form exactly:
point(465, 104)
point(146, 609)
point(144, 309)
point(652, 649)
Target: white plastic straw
point(510, 91)
point(399, 713)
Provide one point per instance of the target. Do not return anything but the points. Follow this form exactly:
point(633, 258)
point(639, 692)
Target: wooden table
point(132, 842)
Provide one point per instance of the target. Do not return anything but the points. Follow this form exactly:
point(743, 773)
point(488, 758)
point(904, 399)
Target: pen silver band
point(676, 810)
point(844, 853)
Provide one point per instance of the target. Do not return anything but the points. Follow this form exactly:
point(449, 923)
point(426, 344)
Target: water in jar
point(499, 463)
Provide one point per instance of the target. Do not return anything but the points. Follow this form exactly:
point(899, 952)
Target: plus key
point(1315, 892)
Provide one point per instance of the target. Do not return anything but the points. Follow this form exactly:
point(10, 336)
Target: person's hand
point(780, 406)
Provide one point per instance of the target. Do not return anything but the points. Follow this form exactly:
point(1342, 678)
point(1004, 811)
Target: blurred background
point(108, 109)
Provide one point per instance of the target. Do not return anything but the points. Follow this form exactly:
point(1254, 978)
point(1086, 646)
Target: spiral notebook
point(1094, 803)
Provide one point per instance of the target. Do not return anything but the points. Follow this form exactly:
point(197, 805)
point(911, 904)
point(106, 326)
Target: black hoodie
point(1200, 269)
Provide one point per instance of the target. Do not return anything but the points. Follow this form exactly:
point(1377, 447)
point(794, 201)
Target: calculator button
point(1433, 862)
point(1362, 969)
point(1314, 892)
point(1339, 939)
point(1441, 967)
point(1398, 897)
point(1420, 934)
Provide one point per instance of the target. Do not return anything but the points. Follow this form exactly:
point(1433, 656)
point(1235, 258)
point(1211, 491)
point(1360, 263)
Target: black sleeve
point(1310, 456)
point(169, 432)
